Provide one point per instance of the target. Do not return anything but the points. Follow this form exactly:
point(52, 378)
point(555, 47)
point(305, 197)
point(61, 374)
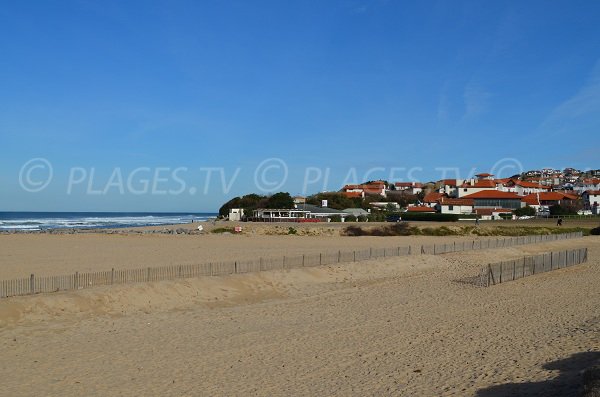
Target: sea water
point(84, 220)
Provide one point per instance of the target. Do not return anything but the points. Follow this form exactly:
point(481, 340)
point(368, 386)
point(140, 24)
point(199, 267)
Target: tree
point(280, 200)
point(558, 209)
point(525, 211)
point(249, 203)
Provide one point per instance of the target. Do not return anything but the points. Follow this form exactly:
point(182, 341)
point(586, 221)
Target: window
point(465, 189)
point(450, 207)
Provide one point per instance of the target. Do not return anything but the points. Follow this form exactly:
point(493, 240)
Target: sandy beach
point(398, 326)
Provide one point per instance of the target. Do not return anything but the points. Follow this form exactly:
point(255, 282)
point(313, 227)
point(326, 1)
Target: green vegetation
point(220, 230)
point(396, 229)
point(417, 216)
point(525, 211)
point(291, 230)
point(335, 218)
point(558, 209)
point(280, 200)
point(337, 201)
point(405, 229)
point(250, 202)
point(595, 231)
point(350, 218)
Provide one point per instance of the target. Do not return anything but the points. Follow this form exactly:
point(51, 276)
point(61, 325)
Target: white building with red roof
point(409, 187)
point(591, 201)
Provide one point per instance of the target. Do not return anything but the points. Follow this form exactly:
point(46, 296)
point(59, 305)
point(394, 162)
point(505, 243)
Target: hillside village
point(534, 193)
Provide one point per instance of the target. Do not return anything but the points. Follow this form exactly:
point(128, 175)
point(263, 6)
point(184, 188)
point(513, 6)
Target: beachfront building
point(236, 214)
point(495, 199)
point(545, 200)
point(456, 206)
point(356, 212)
point(280, 215)
point(490, 214)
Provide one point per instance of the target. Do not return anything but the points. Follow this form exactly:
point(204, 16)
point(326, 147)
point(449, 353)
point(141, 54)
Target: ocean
point(90, 220)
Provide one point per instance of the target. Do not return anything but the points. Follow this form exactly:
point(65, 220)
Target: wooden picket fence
point(504, 271)
point(34, 285)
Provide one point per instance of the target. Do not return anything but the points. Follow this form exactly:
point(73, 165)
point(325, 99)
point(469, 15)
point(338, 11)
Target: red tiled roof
point(529, 184)
point(485, 174)
point(353, 194)
point(502, 180)
point(449, 182)
point(493, 194)
point(593, 192)
point(433, 197)
point(408, 184)
point(547, 196)
point(456, 201)
point(420, 209)
point(480, 184)
point(490, 211)
point(592, 181)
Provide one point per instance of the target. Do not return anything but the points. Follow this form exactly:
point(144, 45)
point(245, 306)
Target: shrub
point(525, 211)
point(335, 218)
point(223, 230)
point(362, 218)
point(595, 231)
point(416, 216)
point(397, 229)
point(351, 218)
point(291, 230)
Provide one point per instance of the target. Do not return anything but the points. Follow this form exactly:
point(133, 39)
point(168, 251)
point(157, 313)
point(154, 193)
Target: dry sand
point(46, 254)
point(399, 326)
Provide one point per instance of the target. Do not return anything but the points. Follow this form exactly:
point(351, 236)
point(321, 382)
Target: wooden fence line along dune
point(502, 272)
point(33, 285)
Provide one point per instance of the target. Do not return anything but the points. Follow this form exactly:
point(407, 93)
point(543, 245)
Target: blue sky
point(402, 89)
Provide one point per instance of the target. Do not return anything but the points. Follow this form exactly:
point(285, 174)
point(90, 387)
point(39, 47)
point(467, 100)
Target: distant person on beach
point(559, 222)
point(476, 221)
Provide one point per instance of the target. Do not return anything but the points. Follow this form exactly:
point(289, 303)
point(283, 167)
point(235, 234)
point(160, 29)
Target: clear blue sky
point(343, 85)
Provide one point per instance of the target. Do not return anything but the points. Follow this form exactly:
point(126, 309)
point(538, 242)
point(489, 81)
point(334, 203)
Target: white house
point(472, 186)
point(455, 206)
point(409, 187)
point(591, 201)
point(236, 214)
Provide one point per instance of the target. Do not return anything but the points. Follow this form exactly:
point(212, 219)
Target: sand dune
point(401, 326)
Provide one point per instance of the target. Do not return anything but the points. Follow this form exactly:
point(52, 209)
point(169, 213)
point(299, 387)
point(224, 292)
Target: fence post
point(354, 254)
point(76, 281)
point(490, 275)
point(422, 250)
point(302, 260)
point(339, 256)
point(112, 276)
point(235, 266)
point(320, 258)
point(370, 252)
point(148, 275)
point(32, 284)
point(260, 264)
point(409, 249)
